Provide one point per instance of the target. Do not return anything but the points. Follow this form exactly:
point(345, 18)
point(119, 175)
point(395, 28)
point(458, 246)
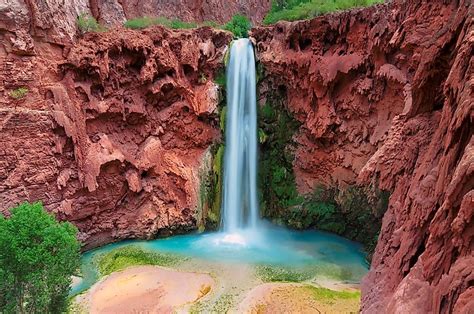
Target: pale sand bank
point(145, 289)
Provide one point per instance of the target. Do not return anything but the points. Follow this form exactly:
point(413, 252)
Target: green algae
point(128, 256)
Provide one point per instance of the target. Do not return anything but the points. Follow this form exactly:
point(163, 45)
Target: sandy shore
point(145, 289)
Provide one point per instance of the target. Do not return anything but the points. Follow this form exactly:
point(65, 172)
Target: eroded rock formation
point(113, 128)
point(112, 136)
point(385, 98)
point(24, 21)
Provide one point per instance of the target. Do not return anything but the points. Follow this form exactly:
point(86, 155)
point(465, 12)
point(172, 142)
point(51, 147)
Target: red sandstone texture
point(23, 22)
point(116, 11)
point(385, 96)
point(112, 133)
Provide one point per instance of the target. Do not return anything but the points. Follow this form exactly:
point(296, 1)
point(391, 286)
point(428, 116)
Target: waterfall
point(240, 200)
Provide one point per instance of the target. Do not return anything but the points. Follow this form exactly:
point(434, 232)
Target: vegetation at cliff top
point(144, 22)
point(127, 256)
point(292, 10)
point(239, 25)
point(87, 23)
point(19, 93)
point(38, 256)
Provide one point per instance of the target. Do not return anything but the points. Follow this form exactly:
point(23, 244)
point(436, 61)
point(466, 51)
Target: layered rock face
point(24, 21)
point(113, 12)
point(112, 132)
point(385, 98)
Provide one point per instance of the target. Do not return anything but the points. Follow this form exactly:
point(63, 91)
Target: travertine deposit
point(113, 127)
point(111, 133)
point(385, 99)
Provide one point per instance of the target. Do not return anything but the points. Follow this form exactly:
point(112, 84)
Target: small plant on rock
point(19, 93)
point(87, 23)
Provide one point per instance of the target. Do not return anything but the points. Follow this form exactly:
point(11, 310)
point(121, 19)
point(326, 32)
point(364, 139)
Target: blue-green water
point(271, 245)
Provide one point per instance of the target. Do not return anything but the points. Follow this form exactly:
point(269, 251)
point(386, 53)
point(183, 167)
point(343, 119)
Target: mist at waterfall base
point(244, 238)
point(271, 245)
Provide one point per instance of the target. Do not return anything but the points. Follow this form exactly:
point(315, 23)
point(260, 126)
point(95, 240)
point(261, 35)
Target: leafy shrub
point(292, 10)
point(87, 23)
point(239, 25)
point(38, 256)
point(124, 257)
point(19, 93)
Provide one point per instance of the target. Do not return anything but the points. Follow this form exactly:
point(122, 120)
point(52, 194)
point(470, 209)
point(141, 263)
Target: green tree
point(38, 256)
point(239, 25)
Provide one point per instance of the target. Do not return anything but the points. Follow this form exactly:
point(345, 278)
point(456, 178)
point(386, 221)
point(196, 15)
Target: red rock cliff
point(112, 133)
point(385, 98)
point(24, 21)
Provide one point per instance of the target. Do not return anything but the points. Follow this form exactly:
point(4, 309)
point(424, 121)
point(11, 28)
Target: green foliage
point(347, 212)
point(277, 181)
point(214, 214)
point(19, 93)
point(292, 10)
point(262, 137)
point(221, 79)
point(239, 25)
point(222, 118)
point(210, 190)
point(144, 22)
point(87, 23)
point(38, 256)
point(127, 256)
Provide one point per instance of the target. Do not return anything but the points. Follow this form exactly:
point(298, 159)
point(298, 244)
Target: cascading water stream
point(240, 200)
point(244, 238)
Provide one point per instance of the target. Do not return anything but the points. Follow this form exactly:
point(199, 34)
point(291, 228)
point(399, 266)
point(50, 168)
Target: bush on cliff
point(292, 10)
point(87, 23)
point(38, 256)
point(239, 25)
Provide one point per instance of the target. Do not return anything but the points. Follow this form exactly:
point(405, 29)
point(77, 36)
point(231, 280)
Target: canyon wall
point(112, 132)
point(24, 21)
point(384, 96)
point(115, 127)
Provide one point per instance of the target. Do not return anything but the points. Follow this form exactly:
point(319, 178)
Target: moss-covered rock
point(276, 179)
point(354, 212)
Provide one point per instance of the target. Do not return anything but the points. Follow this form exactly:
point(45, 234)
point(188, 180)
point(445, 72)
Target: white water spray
point(240, 200)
